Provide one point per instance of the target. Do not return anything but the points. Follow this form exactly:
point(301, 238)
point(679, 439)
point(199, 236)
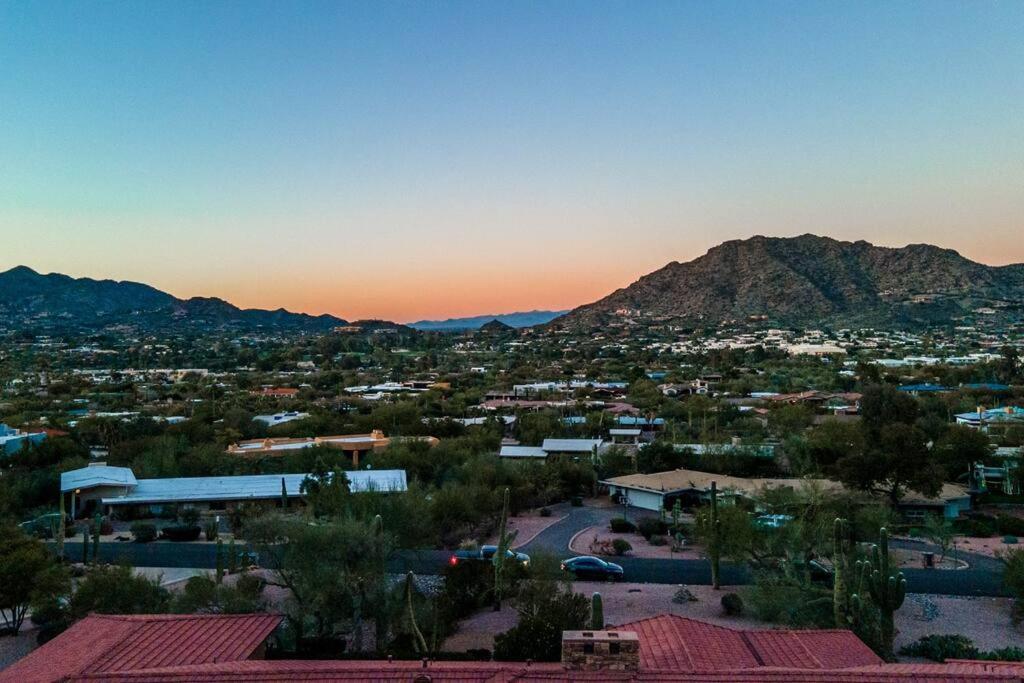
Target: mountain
point(814, 280)
point(525, 319)
point(57, 301)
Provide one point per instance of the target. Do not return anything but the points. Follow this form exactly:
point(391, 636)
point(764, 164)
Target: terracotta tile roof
point(109, 644)
point(676, 643)
point(256, 671)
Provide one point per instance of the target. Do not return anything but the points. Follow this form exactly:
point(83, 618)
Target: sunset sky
point(405, 160)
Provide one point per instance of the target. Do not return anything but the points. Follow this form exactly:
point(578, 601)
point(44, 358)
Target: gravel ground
point(14, 648)
point(985, 620)
point(985, 546)
point(583, 542)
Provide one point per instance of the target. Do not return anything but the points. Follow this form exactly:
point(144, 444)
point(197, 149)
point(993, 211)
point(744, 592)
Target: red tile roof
point(108, 644)
point(257, 671)
point(677, 643)
point(212, 648)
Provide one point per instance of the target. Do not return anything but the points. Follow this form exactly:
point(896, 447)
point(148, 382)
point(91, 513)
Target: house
point(277, 392)
point(625, 437)
point(111, 488)
point(355, 446)
point(523, 452)
point(13, 440)
point(918, 389)
point(662, 649)
point(281, 418)
point(660, 491)
point(983, 419)
point(570, 447)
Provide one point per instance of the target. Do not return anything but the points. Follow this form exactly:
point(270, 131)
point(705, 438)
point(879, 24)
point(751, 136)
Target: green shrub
point(577, 501)
point(621, 525)
point(732, 604)
point(651, 526)
point(1009, 525)
point(979, 527)
point(1004, 654)
point(144, 532)
point(181, 533)
point(939, 648)
point(621, 546)
point(190, 516)
point(545, 512)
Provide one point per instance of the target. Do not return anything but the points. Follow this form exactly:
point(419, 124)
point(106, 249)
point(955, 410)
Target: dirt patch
point(591, 540)
point(986, 621)
point(13, 648)
point(985, 546)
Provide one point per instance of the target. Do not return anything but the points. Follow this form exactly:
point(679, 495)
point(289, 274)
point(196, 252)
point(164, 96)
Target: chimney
point(601, 650)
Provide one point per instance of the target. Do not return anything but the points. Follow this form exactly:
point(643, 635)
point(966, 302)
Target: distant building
point(660, 490)
point(13, 440)
point(355, 446)
point(277, 392)
point(281, 418)
point(111, 488)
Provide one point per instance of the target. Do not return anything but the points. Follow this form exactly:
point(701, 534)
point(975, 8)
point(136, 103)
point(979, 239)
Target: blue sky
point(400, 159)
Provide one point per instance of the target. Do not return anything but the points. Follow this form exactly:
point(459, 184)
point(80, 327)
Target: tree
point(326, 491)
point(939, 531)
point(117, 589)
point(960, 448)
point(331, 568)
point(28, 574)
point(547, 606)
point(897, 461)
point(884, 404)
point(833, 441)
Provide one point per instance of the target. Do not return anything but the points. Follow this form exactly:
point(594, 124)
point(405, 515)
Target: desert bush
point(621, 525)
point(211, 530)
point(658, 540)
point(621, 546)
point(651, 526)
point(732, 604)
point(683, 596)
point(545, 512)
point(144, 532)
point(1009, 525)
point(939, 648)
point(577, 501)
point(190, 516)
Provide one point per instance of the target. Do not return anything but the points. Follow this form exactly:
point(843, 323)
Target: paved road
point(980, 582)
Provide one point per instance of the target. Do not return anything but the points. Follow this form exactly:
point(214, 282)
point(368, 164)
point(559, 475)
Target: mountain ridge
point(517, 319)
point(58, 300)
point(811, 279)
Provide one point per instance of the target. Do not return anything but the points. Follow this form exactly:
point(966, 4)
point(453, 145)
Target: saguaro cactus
point(715, 546)
point(596, 612)
point(418, 641)
point(96, 528)
point(284, 495)
point(61, 529)
point(220, 561)
point(841, 546)
point(85, 544)
point(887, 589)
point(505, 539)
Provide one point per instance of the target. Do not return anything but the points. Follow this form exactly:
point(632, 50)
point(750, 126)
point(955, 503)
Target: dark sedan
point(588, 568)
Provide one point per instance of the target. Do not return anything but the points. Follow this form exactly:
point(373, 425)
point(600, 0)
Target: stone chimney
point(601, 650)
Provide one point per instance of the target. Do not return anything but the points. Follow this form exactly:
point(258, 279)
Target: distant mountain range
point(517, 320)
point(811, 280)
point(54, 301)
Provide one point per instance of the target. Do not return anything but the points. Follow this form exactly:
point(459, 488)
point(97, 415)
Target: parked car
point(586, 567)
point(485, 553)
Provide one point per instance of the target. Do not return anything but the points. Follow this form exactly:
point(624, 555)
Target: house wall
point(645, 500)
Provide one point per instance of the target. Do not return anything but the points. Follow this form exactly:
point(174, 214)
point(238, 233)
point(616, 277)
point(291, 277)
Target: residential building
point(13, 440)
point(356, 446)
point(110, 488)
point(281, 418)
point(666, 649)
point(660, 490)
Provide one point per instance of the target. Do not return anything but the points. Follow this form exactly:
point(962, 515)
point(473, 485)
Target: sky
point(407, 160)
